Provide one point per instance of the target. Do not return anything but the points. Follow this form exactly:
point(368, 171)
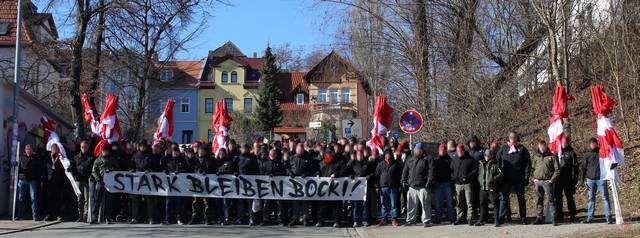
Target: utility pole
point(16, 92)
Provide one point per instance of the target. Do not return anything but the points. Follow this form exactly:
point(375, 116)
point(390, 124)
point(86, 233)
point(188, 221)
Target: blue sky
point(250, 24)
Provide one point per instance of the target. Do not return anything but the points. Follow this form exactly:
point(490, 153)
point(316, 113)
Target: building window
point(334, 96)
point(166, 75)
point(346, 94)
point(248, 105)
point(234, 76)
point(299, 98)
point(208, 105)
point(184, 104)
point(209, 135)
point(229, 102)
point(186, 137)
point(225, 77)
point(322, 95)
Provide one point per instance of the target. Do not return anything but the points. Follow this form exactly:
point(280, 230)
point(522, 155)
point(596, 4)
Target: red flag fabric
point(47, 126)
point(89, 113)
point(559, 113)
point(165, 123)
point(382, 119)
point(220, 122)
point(109, 127)
point(611, 147)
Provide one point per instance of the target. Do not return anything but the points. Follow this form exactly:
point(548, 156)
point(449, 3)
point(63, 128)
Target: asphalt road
point(70, 230)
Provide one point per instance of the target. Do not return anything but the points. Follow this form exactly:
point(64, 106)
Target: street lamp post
point(16, 92)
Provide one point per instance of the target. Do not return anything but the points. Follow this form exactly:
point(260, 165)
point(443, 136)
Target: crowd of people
point(454, 183)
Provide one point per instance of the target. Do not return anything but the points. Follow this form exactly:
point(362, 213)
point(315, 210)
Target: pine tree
point(268, 111)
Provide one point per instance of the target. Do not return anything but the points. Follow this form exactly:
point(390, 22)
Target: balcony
point(321, 111)
point(206, 84)
point(250, 84)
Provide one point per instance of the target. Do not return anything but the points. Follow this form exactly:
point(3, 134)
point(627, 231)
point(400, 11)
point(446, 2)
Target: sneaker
point(471, 223)
point(166, 223)
point(410, 223)
point(572, 218)
point(133, 221)
point(459, 222)
point(395, 223)
point(383, 222)
point(336, 225)
point(108, 221)
point(77, 220)
point(587, 221)
point(610, 220)
point(497, 224)
point(319, 224)
point(365, 224)
point(538, 221)
point(426, 224)
point(180, 222)
point(523, 221)
point(554, 223)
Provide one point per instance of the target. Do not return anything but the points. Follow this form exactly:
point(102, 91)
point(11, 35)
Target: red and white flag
point(165, 123)
point(611, 148)
point(89, 113)
point(558, 114)
point(382, 119)
point(52, 138)
point(109, 127)
point(220, 123)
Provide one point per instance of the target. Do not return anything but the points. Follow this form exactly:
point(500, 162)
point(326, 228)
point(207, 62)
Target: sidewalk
point(8, 226)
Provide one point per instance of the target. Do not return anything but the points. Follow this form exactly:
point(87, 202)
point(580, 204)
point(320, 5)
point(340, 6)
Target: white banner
point(242, 186)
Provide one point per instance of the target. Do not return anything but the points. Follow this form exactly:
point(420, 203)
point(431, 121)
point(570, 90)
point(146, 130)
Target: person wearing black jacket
point(566, 184)
point(247, 165)
point(590, 167)
point(83, 164)
point(362, 167)
point(303, 165)
point(174, 206)
point(387, 175)
point(146, 162)
point(332, 166)
point(30, 173)
point(203, 164)
point(443, 186)
point(56, 181)
point(273, 166)
point(417, 176)
point(476, 151)
point(464, 173)
point(226, 166)
point(515, 162)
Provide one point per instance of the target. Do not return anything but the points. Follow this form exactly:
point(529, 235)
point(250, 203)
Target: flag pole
point(616, 198)
point(16, 92)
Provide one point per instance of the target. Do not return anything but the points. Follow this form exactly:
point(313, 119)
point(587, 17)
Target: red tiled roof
point(291, 83)
point(185, 72)
point(8, 14)
point(253, 63)
point(289, 130)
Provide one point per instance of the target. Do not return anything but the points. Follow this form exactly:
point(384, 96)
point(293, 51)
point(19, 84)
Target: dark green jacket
point(545, 167)
point(489, 175)
point(102, 165)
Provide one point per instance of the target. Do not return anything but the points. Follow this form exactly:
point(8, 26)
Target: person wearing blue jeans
point(387, 178)
point(443, 187)
point(590, 167)
point(30, 173)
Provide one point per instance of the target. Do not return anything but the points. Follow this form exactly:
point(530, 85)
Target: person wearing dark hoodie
point(247, 165)
point(464, 173)
point(566, 185)
point(362, 167)
point(202, 208)
point(332, 166)
point(174, 206)
point(303, 165)
point(30, 173)
point(417, 176)
point(273, 166)
point(103, 164)
point(82, 166)
point(489, 179)
point(226, 166)
point(590, 176)
point(387, 176)
point(545, 173)
point(443, 185)
point(144, 161)
point(476, 151)
point(515, 162)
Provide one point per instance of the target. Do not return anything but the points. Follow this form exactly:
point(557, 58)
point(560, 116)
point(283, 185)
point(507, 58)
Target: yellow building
point(231, 76)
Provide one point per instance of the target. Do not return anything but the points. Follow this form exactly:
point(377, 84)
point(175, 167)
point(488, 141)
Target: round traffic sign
point(411, 121)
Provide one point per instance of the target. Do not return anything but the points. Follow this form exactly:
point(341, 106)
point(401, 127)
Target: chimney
point(255, 55)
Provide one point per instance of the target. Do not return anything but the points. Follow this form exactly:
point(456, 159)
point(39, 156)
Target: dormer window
point(166, 75)
point(234, 77)
point(300, 98)
point(225, 77)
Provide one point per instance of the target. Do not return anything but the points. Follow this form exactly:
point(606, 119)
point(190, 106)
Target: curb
point(46, 224)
